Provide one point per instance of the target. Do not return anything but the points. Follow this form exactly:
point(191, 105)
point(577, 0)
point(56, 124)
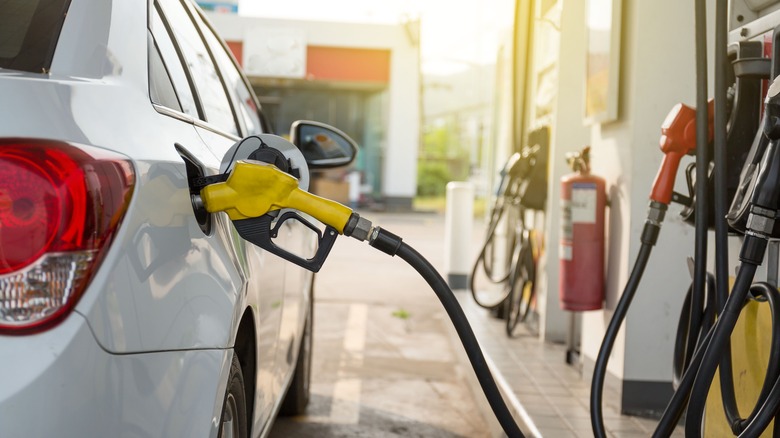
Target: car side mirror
point(322, 145)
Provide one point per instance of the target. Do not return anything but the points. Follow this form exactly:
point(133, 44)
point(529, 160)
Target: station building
point(364, 79)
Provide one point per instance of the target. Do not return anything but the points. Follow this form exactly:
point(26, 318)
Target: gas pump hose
point(721, 200)
point(766, 406)
point(768, 402)
point(649, 237)
point(486, 260)
point(762, 413)
point(393, 245)
point(720, 337)
point(691, 331)
point(254, 190)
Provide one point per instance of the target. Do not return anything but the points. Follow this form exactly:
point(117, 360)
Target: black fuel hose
point(676, 406)
point(486, 261)
point(767, 413)
point(702, 168)
point(765, 409)
point(600, 368)
point(689, 335)
point(722, 64)
point(648, 238)
point(715, 349)
point(393, 245)
point(768, 399)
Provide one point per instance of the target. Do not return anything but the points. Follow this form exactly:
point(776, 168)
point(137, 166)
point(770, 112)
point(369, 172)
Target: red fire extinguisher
point(583, 201)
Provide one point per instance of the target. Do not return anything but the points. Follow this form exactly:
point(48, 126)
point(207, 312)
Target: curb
point(517, 410)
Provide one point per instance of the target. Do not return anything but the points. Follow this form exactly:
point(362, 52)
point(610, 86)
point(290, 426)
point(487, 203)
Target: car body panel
point(78, 389)
point(167, 286)
point(160, 260)
point(149, 343)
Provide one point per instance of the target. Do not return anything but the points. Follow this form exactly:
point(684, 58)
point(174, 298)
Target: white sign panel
point(275, 52)
point(583, 203)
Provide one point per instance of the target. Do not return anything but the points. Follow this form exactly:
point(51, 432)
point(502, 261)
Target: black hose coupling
point(385, 241)
point(753, 249)
point(760, 224)
point(656, 213)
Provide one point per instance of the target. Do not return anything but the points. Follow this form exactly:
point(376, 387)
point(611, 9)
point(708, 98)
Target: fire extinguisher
point(583, 201)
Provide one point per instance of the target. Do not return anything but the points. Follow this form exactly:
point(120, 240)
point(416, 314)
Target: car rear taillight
point(60, 205)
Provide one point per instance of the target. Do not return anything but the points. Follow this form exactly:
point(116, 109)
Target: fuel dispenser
point(503, 276)
point(745, 171)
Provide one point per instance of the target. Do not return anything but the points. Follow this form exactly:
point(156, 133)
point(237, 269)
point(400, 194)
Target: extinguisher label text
point(566, 226)
point(566, 252)
point(583, 203)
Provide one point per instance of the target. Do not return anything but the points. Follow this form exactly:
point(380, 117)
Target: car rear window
point(29, 30)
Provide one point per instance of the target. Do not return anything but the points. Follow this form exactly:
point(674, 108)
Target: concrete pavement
point(387, 362)
point(384, 364)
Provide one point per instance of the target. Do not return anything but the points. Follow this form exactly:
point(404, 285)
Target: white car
point(126, 310)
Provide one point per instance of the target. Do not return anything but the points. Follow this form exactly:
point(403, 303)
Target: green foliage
point(441, 142)
point(402, 314)
point(442, 159)
point(432, 178)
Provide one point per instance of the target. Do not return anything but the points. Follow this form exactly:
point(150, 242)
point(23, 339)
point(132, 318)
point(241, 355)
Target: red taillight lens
point(59, 207)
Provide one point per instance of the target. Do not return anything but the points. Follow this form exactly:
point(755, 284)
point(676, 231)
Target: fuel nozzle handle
point(765, 201)
point(766, 196)
point(678, 138)
point(255, 189)
point(767, 192)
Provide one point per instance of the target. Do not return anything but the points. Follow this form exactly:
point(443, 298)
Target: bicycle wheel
point(522, 290)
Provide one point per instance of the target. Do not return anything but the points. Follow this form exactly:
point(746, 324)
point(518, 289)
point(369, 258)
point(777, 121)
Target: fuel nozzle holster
point(756, 205)
point(526, 171)
point(744, 107)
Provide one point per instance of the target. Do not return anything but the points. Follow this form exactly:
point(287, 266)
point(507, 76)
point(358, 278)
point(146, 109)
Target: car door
point(219, 126)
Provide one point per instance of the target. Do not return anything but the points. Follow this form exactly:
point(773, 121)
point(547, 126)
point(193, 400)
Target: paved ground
point(553, 396)
point(384, 364)
point(387, 362)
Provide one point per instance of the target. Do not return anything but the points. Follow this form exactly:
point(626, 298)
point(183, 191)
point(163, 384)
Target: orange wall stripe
point(237, 47)
point(347, 64)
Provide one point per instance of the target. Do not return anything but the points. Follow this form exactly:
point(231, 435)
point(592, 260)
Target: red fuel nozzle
point(678, 138)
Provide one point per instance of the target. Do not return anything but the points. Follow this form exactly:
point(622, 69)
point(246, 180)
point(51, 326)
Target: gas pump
point(713, 348)
point(502, 278)
point(746, 170)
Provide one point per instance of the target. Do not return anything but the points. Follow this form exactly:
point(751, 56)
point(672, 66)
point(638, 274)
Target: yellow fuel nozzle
point(256, 188)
